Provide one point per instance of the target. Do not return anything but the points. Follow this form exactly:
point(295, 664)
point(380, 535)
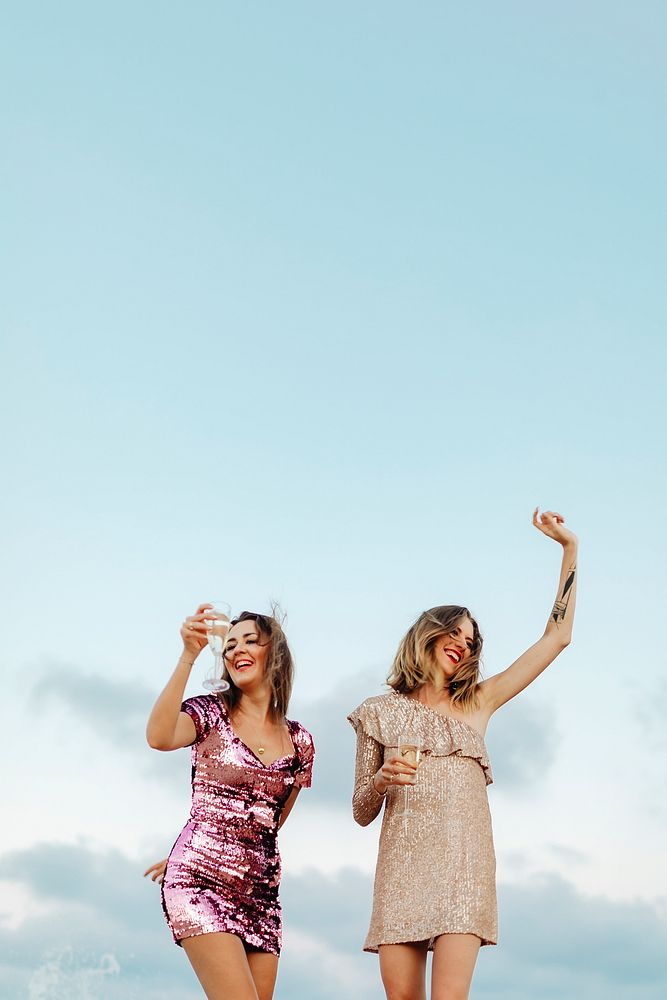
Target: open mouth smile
point(243, 664)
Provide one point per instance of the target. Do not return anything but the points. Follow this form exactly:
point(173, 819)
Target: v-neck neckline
point(255, 756)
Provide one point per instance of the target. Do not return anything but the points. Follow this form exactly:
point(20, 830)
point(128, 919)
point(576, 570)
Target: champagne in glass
point(218, 618)
point(409, 750)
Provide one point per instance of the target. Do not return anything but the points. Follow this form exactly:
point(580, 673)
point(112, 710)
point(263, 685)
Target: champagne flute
point(218, 617)
point(409, 750)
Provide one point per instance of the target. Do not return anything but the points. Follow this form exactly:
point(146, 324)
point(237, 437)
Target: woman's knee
point(401, 993)
point(452, 993)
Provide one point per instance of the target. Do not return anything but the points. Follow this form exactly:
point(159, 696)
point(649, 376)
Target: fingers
point(397, 771)
point(195, 624)
point(546, 520)
point(204, 619)
point(200, 618)
point(156, 871)
point(152, 868)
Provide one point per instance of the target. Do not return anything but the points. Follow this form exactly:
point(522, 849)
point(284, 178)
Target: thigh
point(403, 970)
point(221, 965)
point(454, 957)
point(263, 969)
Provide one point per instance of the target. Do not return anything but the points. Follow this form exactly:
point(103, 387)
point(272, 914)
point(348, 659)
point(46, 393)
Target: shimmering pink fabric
point(224, 870)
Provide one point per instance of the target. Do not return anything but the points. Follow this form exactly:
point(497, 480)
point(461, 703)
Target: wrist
point(187, 659)
point(378, 784)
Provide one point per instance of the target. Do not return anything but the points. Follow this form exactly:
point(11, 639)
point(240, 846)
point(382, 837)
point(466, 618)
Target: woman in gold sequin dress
point(435, 876)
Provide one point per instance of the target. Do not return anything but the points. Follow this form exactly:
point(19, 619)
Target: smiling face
point(246, 653)
point(455, 647)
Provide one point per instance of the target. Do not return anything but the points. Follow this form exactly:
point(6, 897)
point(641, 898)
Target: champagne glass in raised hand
point(409, 750)
point(218, 617)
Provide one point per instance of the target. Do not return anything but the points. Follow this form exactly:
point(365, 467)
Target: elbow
point(156, 741)
point(360, 818)
point(361, 814)
point(357, 814)
point(558, 639)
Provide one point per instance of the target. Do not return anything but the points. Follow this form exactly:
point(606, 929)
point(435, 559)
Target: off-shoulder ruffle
point(385, 716)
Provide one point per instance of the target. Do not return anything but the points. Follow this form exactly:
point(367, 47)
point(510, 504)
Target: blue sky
point(316, 305)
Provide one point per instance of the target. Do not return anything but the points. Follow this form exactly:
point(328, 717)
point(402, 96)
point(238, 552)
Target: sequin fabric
point(436, 869)
point(223, 872)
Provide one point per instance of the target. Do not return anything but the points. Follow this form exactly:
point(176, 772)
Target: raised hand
point(552, 524)
point(194, 630)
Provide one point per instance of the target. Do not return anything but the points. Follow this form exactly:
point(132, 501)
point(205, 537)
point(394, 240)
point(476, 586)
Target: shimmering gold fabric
point(436, 870)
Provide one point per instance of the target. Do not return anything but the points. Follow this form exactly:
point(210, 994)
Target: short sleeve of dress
point(204, 711)
point(305, 756)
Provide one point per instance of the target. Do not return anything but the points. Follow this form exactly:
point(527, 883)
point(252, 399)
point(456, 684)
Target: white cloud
point(62, 974)
point(115, 710)
point(108, 938)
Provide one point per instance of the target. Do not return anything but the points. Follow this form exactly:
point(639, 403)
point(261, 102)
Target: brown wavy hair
point(415, 664)
point(279, 663)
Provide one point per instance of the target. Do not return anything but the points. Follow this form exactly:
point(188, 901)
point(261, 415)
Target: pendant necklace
point(261, 750)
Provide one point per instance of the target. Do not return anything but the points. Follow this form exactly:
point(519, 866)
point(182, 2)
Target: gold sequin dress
point(436, 870)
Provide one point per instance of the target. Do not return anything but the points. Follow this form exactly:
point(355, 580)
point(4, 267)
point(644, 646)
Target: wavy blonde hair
point(415, 664)
point(279, 663)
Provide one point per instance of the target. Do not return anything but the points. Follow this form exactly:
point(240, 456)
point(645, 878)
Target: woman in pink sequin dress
point(435, 876)
point(220, 884)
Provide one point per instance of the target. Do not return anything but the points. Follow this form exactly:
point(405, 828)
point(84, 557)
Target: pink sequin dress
point(223, 872)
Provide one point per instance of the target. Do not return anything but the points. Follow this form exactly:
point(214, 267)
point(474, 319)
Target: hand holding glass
point(217, 626)
point(409, 750)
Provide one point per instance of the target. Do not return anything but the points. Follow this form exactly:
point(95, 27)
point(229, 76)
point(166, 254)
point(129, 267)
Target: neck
point(256, 705)
point(430, 695)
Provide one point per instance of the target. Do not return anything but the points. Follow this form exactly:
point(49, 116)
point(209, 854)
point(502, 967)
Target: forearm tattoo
point(560, 607)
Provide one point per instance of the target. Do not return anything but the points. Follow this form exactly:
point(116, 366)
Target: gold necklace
point(262, 750)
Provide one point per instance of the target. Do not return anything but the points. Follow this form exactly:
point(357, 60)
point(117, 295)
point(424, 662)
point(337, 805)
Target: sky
point(315, 304)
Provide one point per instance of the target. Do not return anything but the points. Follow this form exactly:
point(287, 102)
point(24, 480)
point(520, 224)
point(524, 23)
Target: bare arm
point(498, 690)
point(168, 728)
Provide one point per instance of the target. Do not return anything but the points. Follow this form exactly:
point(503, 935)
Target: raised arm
point(168, 728)
point(498, 690)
